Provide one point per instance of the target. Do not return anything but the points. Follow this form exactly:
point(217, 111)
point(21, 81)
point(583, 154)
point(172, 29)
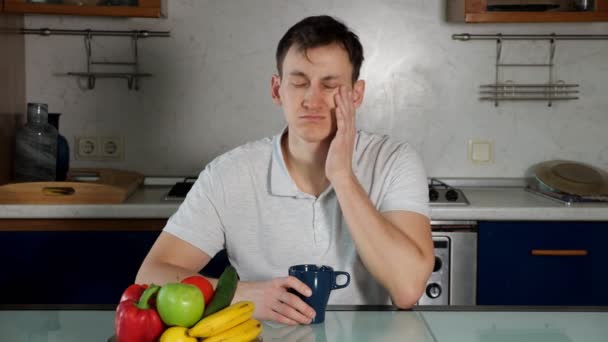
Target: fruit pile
point(188, 311)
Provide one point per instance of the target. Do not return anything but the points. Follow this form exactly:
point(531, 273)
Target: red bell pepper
point(133, 292)
point(136, 320)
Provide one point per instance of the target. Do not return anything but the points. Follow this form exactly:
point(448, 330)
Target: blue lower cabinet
point(67, 267)
point(510, 274)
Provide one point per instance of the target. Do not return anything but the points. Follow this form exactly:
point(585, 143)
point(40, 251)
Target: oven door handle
point(559, 252)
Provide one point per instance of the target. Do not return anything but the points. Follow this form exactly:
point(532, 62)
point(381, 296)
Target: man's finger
point(337, 98)
point(292, 282)
point(344, 99)
point(298, 304)
point(340, 120)
point(286, 309)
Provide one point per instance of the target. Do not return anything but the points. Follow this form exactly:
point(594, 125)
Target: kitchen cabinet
point(78, 261)
point(514, 268)
point(12, 91)
point(141, 8)
point(475, 11)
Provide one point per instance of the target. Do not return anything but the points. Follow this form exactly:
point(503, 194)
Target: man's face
point(307, 88)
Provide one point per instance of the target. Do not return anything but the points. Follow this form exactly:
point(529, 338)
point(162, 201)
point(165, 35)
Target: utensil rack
point(511, 91)
point(552, 90)
point(133, 76)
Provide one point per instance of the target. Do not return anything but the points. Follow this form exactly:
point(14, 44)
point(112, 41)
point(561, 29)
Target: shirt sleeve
point(407, 186)
point(197, 220)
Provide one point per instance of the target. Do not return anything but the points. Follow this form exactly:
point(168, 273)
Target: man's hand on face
point(338, 166)
point(273, 302)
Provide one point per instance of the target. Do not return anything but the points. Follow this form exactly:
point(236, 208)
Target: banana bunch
point(233, 323)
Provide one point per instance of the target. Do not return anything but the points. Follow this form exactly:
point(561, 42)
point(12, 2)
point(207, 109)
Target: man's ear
point(275, 84)
point(358, 92)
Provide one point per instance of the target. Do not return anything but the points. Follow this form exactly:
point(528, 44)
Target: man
point(318, 193)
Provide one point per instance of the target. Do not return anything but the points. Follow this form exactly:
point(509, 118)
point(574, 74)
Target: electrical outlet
point(86, 147)
point(111, 147)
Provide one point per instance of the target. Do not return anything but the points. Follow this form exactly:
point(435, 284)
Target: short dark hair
point(318, 31)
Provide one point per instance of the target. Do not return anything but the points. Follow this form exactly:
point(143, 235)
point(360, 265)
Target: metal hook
point(91, 81)
point(551, 58)
point(498, 54)
point(87, 45)
point(498, 47)
point(552, 49)
point(135, 59)
point(134, 39)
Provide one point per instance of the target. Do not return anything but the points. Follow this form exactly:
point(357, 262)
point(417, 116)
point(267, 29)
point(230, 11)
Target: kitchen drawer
point(76, 267)
point(508, 273)
point(62, 267)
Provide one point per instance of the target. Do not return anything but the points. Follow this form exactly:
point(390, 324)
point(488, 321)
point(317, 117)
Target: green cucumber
point(224, 291)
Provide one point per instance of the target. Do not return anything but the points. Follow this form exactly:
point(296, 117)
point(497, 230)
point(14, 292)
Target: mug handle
point(335, 285)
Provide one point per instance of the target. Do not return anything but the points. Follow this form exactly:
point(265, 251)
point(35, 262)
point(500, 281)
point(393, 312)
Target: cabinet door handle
point(560, 252)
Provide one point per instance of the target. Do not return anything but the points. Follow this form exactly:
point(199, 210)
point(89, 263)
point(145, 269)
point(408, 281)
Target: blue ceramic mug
point(322, 280)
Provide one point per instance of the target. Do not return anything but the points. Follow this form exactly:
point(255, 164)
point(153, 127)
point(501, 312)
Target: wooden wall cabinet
point(144, 8)
point(474, 11)
point(12, 91)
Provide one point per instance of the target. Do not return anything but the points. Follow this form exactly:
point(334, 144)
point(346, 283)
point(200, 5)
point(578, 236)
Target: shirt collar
point(281, 183)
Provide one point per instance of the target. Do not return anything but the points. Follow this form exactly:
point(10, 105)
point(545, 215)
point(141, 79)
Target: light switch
point(481, 151)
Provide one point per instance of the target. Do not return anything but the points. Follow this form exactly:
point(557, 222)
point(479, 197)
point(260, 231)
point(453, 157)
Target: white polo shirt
point(246, 201)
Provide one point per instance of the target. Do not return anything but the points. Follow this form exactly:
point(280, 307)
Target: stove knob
point(433, 195)
point(451, 195)
point(433, 290)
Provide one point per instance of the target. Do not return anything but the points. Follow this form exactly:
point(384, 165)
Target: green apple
point(180, 304)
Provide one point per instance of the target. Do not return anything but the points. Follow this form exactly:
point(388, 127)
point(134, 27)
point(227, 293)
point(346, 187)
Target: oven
point(454, 277)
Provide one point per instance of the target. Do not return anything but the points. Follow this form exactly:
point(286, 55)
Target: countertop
point(517, 204)
point(346, 325)
point(489, 202)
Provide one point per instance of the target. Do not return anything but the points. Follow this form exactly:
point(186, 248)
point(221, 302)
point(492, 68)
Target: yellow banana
point(222, 320)
point(245, 332)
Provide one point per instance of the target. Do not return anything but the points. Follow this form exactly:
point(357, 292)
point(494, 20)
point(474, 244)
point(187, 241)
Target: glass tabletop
point(411, 326)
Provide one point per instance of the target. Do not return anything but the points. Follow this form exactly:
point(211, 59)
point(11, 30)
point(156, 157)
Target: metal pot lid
point(573, 177)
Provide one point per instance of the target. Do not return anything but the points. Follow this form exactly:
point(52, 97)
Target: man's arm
point(170, 260)
point(396, 246)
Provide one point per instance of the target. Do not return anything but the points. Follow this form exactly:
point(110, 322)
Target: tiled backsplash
point(210, 89)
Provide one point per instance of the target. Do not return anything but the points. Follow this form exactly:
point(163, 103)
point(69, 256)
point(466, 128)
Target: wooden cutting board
point(83, 186)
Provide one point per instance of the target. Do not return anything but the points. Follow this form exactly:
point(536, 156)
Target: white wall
point(210, 90)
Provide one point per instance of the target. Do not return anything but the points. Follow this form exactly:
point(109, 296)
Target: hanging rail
point(468, 36)
point(510, 91)
point(132, 77)
point(106, 33)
